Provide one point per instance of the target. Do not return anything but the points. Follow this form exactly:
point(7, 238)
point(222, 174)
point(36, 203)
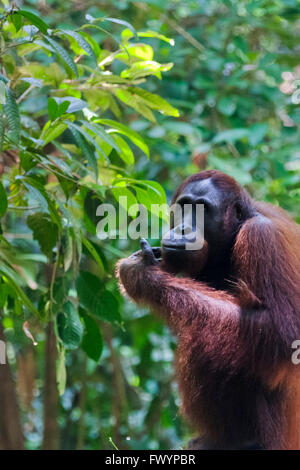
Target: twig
point(194, 42)
point(23, 96)
point(53, 275)
point(23, 208)
point(232, 148)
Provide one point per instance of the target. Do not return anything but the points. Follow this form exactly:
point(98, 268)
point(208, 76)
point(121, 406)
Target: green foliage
point(51, 100)
point(96, 299)
point(69, 326)
point(44, 231)
point(11, 111)
point(3, 200)
point(92, 342)
point(63, 101)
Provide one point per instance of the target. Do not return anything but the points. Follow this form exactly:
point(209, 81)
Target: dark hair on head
point(222, 181)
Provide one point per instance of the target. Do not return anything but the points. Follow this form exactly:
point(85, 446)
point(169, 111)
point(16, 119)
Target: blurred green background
point(234, 82)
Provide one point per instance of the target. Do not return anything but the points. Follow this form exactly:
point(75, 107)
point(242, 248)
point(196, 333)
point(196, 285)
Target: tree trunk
point(119, 405)
point(11, 434)
point(82, 406)
point(50, 437)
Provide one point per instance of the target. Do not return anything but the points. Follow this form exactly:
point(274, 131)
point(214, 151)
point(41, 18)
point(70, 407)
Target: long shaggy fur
point(233, 361)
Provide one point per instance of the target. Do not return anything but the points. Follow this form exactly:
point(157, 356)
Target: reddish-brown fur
point(234, 368)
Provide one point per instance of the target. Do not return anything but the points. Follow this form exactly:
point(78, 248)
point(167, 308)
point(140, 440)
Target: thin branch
point(26, 92)
point(53, 275)
point(194, 42)
point(22, 208)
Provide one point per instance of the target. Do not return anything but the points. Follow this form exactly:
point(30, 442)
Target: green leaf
point(38, 196)
point(108, 307)
point(153, 188)
point(231, 135)
point(94, 298)
point(92, 42)
point(98, 130)
point(9, 273)
point(2, 131)
point(59, 294)
point(81, 42)
point(257, 132)
point(93, 252)
point(17, 20)
point(121, 22)
point(3, 78)
point(54, 131)
point(179, 127)
point(135, 102)
point(4, 292)
point(125, 151)
point(41, 195)
point(151, 193)
point(3, 200)
point(127, 34)
point(70, 66)
point(12, 114)
point(44, 231)
point(27, 48)
point(143, 197)
point(35, 20)
point(92, 342)
point(57, 107)
point(63, 107)
point(227, 105)
point(33, 81)
point(135, 52)
point(69, 326)
point(154, 34)
point(122, 129)
point(121, 191)
point(70, 104)
point(239, 174)
point(67, 250)
point(146, 68)
point(155, 101)
point(156, 190)
point(69, 187)
point(86, 148)
point(52, 109)
point(89, 138)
